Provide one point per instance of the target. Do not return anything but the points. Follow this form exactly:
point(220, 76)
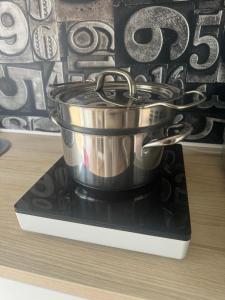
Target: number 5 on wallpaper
point(19, 99)
point(209, 40)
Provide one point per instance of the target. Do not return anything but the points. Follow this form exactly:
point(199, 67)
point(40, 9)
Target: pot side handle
point(170, 140)
point(52, 116)
point(201, 98)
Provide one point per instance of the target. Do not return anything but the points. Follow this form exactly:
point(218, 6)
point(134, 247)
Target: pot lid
point(114, 94)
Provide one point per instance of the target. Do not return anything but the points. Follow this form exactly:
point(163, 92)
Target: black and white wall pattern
point(49, 41)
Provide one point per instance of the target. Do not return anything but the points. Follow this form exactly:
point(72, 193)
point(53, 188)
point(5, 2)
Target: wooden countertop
point(97, 272)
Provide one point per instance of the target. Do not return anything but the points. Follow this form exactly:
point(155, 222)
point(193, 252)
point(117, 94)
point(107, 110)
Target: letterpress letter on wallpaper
point(50, 41)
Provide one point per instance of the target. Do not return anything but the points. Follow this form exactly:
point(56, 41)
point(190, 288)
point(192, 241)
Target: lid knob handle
point(100, 79)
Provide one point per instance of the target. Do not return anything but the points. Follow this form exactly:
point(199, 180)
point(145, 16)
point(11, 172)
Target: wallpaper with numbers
point(51, 41)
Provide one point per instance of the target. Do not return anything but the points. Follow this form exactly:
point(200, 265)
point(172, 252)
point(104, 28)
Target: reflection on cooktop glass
point(160, 208)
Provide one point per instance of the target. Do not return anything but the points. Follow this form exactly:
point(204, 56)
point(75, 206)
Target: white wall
point(13, 290)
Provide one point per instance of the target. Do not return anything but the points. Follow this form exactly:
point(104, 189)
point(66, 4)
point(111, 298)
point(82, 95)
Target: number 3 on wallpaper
point(153, 18)
point(209, 40)
point(13, 29)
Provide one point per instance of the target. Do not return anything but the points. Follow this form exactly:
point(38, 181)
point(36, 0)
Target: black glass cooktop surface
point(160, 208)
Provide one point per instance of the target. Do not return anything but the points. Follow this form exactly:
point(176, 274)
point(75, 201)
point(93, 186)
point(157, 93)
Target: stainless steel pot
point(113, 138)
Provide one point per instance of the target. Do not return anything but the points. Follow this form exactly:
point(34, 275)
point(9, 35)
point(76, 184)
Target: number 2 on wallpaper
point(153, 18)
point(209, 40)
point(14, 32)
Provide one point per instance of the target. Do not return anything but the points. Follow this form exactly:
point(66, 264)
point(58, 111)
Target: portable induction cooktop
point(153, 219)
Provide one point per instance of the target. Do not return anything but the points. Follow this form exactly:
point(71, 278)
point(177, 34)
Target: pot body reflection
point(110, 162)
